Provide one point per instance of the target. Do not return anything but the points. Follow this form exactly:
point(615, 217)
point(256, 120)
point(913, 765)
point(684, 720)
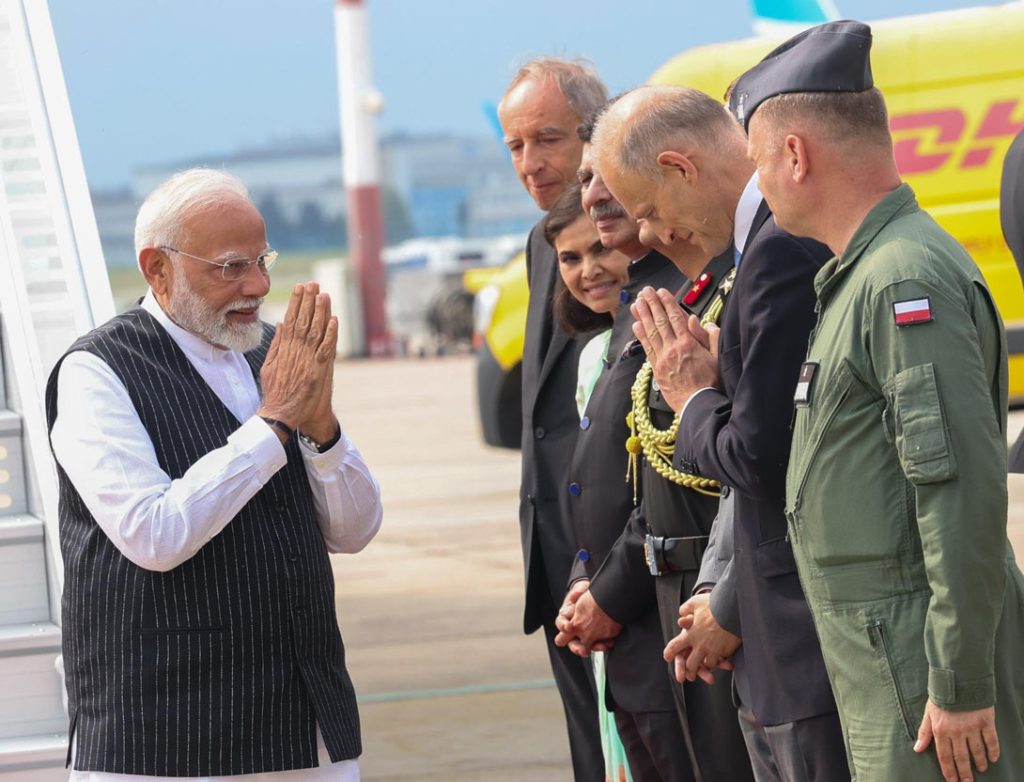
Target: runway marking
point(455, 692)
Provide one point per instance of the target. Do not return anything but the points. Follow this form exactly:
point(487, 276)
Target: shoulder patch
point(912, 311)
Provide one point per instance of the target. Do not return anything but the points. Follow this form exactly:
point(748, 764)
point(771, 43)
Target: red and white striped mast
point(360, 103)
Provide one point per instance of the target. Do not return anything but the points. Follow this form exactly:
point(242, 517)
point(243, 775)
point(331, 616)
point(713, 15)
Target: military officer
point(623, 592)
point(665, 538)
point(673, 520)
point(896, 487)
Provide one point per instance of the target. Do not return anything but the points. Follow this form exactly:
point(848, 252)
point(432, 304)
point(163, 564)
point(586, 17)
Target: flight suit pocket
point(922, 438)
point(878, 635)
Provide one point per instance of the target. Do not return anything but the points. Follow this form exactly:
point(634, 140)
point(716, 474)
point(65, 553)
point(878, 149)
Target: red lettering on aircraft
point(998, 123)
point(977, 157)
point(925, 141)
point(946, 125)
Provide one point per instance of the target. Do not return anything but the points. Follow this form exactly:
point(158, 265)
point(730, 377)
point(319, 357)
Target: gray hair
point(660, 117)
point(159, 221)
point(576, 79)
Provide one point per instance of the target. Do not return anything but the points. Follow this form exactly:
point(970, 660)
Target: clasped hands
point(961, 738)
point(582, 624)
point(298, 375)
point(703, 646)
point(683, 354)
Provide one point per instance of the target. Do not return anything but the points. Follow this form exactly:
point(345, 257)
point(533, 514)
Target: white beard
point(191, 311)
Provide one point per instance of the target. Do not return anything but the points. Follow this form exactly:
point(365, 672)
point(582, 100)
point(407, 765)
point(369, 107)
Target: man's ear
point(677, 162)
point(798, 159)
point(156, 268)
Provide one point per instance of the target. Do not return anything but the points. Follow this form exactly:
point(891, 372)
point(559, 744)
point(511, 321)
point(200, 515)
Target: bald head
point(677, 162)
point(645, 122)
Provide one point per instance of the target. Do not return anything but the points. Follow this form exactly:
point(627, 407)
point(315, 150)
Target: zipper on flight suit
point(878, 636)
point(807, 354)
point(791, 515)
point(798, 498)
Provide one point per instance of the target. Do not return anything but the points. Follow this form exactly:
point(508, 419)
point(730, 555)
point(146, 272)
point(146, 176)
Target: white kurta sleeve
point(345, 495)
point(157, 523)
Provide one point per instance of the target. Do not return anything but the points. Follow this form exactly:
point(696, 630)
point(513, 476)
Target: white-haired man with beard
point(204, 479)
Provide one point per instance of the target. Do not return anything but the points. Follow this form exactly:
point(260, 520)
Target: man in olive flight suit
point(896, 488)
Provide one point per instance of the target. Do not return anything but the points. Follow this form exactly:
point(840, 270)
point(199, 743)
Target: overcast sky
point(153, 81)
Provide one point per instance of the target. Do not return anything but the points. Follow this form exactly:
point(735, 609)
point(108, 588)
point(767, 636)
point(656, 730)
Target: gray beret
point(832, 57)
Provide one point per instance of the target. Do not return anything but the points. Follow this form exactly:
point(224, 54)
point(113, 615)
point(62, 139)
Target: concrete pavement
point(450, 687)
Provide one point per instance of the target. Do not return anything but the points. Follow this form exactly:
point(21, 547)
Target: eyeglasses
point(236, 268)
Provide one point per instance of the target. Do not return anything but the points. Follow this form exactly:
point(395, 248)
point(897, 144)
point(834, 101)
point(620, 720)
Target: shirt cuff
point(696, 393)
point(258, 439)
point(329, 461)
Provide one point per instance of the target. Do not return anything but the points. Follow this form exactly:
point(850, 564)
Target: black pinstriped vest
point(225, 664)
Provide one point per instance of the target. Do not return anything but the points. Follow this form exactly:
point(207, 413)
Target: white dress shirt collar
point(749, 201)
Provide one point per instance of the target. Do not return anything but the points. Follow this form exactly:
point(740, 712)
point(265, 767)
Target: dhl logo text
point(929, 140)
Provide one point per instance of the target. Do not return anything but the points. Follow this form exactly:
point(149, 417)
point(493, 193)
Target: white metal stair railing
point(33, 722)
point(53, 287)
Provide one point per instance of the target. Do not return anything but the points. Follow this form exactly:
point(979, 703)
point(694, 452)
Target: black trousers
point(707, 713)
point(574, 677)
point(655, 747)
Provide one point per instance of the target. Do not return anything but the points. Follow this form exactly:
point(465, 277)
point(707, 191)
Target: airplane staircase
point(53, 287)
point(33, 723)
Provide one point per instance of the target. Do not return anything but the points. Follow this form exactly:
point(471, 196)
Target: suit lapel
point(559, 342)
point(760, 217)
point(541, 271)
point(730, 337)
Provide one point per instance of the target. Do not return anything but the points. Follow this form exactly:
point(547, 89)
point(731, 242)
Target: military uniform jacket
point(550, 425)
point(740, 435)
point(602, 499)
point(623, 584)
point(896, 489)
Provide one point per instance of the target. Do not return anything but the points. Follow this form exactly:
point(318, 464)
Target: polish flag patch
point(912, 311)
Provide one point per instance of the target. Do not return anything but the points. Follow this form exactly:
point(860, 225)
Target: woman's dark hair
point(566, 211)
point(573, 316)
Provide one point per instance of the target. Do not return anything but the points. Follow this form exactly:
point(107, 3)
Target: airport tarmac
point(450, 688)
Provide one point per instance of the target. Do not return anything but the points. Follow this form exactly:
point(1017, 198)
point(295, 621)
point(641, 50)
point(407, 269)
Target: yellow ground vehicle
point(954, 82)
point(499, 324)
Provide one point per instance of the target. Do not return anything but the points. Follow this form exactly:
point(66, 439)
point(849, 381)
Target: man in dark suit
point(677, 162)
point(545, 102)
point(620, 592)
